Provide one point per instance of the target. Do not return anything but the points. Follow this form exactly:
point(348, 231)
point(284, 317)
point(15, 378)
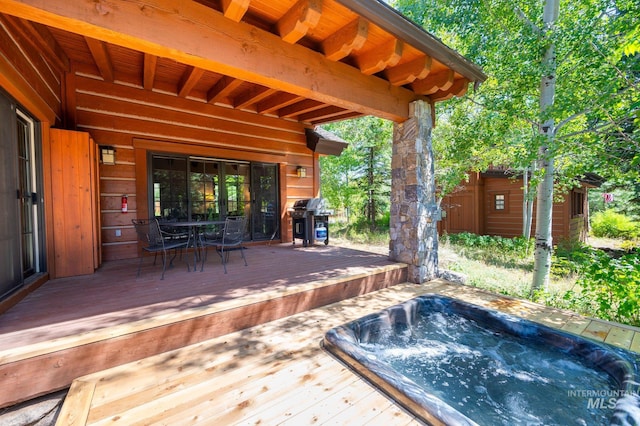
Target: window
point(197, 188)
point(499, 202)
point(577, 203)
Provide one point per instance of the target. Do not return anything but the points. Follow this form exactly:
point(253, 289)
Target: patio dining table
point(193, 227)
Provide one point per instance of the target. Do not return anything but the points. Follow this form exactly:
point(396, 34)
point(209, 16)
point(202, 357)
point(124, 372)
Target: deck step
point(61, 360)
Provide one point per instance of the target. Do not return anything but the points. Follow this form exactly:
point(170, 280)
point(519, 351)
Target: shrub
point(613, 225)
point(569, 259)
point(612, 285)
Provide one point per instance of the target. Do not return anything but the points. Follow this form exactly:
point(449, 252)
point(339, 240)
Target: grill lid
point(310, 204)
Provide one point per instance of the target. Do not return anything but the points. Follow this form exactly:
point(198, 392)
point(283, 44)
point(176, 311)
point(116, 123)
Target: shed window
point(577, 204)
point(499, 202)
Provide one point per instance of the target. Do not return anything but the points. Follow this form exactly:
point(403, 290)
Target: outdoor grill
point(310, 221)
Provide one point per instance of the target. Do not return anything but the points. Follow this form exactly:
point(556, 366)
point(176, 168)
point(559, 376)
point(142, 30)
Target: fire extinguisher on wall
point(125, 204)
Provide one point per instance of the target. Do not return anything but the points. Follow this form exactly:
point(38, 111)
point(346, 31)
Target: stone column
point(414, 212)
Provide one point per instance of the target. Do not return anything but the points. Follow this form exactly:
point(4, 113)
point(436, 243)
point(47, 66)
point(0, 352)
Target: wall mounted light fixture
point(302, 172)
point(108, 155)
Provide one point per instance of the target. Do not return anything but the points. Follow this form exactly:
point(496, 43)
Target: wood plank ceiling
point(323, 26)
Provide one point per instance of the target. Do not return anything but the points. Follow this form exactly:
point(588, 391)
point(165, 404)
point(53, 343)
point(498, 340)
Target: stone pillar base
point(413, 225)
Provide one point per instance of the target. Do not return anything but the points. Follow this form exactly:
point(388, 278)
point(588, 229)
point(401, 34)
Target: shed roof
point(311, 61)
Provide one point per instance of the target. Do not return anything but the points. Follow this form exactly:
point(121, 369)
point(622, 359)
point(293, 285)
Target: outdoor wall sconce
point(302, 172)
point(108, 155)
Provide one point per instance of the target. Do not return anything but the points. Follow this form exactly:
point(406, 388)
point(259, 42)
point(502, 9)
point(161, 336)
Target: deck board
point(277, 372)
point(71, 327)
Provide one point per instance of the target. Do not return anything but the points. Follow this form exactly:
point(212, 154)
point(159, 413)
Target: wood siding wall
point(467, 211)
point(136, 121)
point(72, 96)
point(27, 71)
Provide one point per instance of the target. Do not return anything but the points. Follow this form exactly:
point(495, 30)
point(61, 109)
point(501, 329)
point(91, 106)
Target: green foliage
point(612, 285)
point(517, 246)
point(629, 245)
point(596, 109)
point(613, 225)
point(590, 105)
point(603, 286)
point(626, 200)
point(359, 180)
point(359, 231)
point(494, 250)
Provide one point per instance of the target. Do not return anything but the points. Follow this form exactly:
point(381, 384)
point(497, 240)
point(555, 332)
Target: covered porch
point(185, 110)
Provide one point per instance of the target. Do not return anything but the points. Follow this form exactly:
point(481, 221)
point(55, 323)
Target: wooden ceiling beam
point(189, 80)
point(204, 38)
point(409, 71)
point(458, 88)
point(41, 39)
point(321, 114)
point(222, 89)
point(102, 58)
point(149, 71)
point(235, 9)
point(252, 96)
point(346, 115)
point(347, 39)
point(299, 108)
point(276, 102)
point(381, 57)
point(296, 22)
point(433, 83)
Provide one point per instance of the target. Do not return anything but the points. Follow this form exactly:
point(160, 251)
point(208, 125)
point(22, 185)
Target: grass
point(502, 266)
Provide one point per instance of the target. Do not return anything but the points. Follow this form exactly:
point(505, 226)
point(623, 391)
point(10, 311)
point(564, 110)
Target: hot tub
point(451, 362)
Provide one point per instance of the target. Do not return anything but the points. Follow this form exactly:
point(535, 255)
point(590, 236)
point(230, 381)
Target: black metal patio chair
point(232, 238)
point(155, 240)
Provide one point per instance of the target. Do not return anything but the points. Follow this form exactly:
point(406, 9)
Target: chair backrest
point(233, 231)
point(148, 232)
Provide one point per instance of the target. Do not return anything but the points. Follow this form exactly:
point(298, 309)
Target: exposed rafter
point(345, 116)
point(235, 9)
point(189, 79)
point(409, 71)
point(380, 58)
point(101, 57)
point(222, 89)
point(39, 37)
point(149, 71)
point(276, 102)
point(240, 50)
point(300, 108)
point(296, 22)
point(458, 88)
point(349, 38)
point(252, 96)
point(321, 114)
point(428, 86)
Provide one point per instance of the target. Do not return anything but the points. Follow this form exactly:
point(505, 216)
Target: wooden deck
point(277, 373)
point(72, 327)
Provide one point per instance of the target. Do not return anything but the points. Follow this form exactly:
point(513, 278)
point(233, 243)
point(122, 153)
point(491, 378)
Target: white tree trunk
point(527, 203)
point(544, 242)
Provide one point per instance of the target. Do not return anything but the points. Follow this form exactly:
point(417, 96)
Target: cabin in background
point(491, 203)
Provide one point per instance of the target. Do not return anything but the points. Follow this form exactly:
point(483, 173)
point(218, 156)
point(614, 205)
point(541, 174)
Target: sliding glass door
point(264, 211)
point(200, 188)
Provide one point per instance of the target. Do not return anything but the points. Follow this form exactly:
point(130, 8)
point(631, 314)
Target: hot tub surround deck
point(441, 357)
point(277, 372)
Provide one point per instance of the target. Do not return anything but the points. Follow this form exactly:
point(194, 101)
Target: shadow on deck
point(75, 326)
